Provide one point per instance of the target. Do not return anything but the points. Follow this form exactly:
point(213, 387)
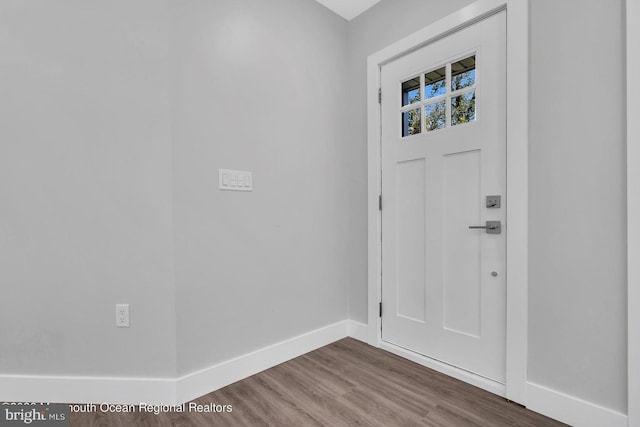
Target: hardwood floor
point(347, 383)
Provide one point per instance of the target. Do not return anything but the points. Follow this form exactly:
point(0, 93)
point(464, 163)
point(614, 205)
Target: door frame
point(633, 212)
point(517, 186)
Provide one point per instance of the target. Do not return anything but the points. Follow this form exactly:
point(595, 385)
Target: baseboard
point(26, 388)
point(460, 374)
point(570, 409)
point(133, 391)
point(215, 377)
point(357, 330)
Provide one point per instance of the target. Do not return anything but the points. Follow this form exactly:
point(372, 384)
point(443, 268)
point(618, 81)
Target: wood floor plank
point(416, 400)
point(369, 404)
point(322, 406)
point(347, 383)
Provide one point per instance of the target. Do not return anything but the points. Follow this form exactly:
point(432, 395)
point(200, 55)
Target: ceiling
point(348, 9)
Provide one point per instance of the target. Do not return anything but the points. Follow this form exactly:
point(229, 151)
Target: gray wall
point(85, 188)
point(94, 161)
point(577, 286)
point(258, 86)
point(577, 304)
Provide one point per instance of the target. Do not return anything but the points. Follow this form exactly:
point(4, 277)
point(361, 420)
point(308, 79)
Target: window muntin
point(446, 96)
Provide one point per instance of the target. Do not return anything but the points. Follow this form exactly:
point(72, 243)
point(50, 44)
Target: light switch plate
point(235, 180)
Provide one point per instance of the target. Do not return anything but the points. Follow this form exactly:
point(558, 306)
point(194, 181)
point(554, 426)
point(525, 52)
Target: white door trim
point(517, 171)
point(633, 211)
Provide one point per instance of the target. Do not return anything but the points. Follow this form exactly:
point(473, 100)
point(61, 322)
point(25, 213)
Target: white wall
point(85, 188)
point(577, 284)
point(258, 86)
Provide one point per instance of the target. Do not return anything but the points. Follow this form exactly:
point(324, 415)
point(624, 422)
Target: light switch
point(234, 180)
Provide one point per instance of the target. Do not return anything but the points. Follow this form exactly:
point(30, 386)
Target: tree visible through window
point(463, 76)
point(450, 87)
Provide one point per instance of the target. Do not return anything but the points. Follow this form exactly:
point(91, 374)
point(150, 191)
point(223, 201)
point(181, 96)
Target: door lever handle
point(492, 227)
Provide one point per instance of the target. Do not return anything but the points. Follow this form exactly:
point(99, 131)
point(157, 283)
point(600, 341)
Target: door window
point(446, 96)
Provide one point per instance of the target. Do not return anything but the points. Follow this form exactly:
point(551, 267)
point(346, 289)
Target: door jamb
point(517, 172)
point(633, 211)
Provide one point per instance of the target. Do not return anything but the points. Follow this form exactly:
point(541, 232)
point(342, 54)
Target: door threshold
point(476, 380)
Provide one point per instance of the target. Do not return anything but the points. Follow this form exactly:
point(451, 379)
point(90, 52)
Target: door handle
point(492, 227)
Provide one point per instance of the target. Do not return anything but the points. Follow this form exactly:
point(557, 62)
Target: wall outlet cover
point(122, 315)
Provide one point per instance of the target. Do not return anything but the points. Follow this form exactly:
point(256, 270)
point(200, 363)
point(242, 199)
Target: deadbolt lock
point(493, 202)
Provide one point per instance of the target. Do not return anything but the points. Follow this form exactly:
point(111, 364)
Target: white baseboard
point(133, 391)
point(358, 330)
point(460, 374)
point(570, 409)
point(26, 388)
point(215, 377)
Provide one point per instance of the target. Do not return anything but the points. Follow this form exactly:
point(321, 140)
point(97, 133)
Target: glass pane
point(463, 108)
point(411, 121)
point(434, 116)
point(463, 73)
point(411, 91)
point(434, 83)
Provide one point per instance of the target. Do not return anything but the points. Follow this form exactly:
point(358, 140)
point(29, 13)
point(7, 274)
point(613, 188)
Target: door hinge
point(380, 202)
point(380, 309)
point(379, 95)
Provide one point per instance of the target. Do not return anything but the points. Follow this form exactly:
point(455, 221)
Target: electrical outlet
point(122, 315)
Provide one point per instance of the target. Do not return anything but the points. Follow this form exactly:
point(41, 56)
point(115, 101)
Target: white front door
point(443, 154)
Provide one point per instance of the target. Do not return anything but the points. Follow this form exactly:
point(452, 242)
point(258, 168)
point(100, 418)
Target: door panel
point(410, 189)
point(461, 249)
point(440, 296)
